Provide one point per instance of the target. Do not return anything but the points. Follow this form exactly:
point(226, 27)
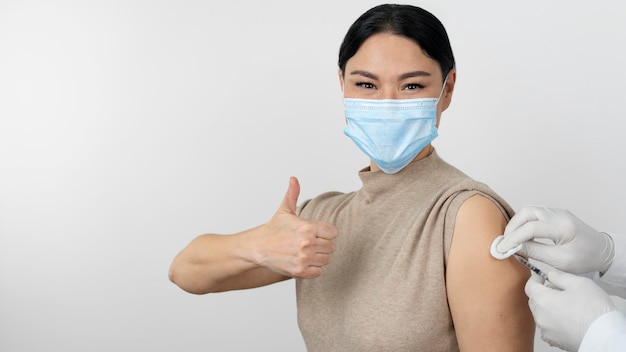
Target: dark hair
point(409, 21)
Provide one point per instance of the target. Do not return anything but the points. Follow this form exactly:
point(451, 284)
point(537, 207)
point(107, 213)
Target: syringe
point(533, 268)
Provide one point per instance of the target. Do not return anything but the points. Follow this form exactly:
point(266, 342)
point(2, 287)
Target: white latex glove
point(578, 248)
point(564, 313)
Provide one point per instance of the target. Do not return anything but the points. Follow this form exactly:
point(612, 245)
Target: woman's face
point(389, 66)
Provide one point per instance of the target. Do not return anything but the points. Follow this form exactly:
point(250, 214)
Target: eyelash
point(410, 86)
point(416, 86)
point(366, 85)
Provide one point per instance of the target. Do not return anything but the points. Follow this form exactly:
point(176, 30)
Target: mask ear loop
point(443, 88)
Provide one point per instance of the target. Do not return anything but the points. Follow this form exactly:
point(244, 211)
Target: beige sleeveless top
point(385, 288)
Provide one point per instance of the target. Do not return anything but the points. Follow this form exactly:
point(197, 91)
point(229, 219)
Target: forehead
point(391, 53)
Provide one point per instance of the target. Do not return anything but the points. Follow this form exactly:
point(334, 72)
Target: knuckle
point(304, 243)
point(308, 228)
point(305, 272)
point(299, 272)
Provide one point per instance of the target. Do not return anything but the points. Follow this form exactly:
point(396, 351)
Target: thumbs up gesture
point(292, 246)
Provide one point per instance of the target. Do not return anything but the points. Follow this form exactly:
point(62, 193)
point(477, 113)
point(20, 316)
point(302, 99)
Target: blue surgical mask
point(392, 131)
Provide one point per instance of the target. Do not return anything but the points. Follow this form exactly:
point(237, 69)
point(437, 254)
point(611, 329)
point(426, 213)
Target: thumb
point(534, 285)
point(563, 280)
point(290, 201)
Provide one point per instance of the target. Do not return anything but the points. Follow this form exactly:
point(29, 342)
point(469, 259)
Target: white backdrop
point(127, 128)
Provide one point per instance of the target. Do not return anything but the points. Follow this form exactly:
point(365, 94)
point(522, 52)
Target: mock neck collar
point(378, 182)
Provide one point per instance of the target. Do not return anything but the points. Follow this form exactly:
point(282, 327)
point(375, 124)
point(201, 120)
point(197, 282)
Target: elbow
point(179, 279)
point(174, 275)
point(171, 274)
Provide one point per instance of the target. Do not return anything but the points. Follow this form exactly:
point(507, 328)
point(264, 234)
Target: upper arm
point(486, 296)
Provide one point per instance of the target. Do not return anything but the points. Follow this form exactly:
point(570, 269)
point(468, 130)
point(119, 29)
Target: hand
point(292, 246)
point(577, 249)
point(564, 313)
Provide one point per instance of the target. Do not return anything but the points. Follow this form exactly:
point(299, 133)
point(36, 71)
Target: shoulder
point(323, 203)
point(479, 220)
point(481, 207)
point(460, 183)
point(456, 184)
point(471, 204)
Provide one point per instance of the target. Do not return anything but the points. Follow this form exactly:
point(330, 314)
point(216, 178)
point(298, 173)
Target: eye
point(413, 86)
point(365, 85)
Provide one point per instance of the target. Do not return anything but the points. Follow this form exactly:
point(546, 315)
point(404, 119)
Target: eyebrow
point(401, 77)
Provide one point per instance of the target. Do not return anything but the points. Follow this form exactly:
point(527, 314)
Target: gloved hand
point(564, 313)
point(578, 248)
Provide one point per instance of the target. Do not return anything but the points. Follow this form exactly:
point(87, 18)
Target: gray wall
point(129, 127)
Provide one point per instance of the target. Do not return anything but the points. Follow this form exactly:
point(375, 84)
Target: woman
point(403, 264)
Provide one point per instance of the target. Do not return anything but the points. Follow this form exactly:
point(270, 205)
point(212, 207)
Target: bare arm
point(486, 296)
point(285, 247)
point(215, 263)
